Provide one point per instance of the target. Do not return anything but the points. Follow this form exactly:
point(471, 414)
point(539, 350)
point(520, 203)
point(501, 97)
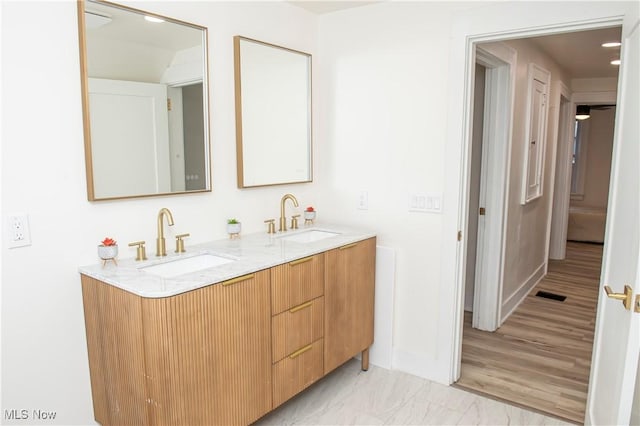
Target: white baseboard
point(513, 301)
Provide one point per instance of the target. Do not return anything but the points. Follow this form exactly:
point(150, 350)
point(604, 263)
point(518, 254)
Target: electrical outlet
point(18, 231)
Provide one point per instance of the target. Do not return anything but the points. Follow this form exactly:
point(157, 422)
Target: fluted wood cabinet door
point(197, 358)
point(349, 300)
point(113, 323)
point(208, 353)
point(296, 282)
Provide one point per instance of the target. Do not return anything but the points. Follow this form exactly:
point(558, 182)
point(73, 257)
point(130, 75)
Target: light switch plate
point(428, 202)
point(363, 200)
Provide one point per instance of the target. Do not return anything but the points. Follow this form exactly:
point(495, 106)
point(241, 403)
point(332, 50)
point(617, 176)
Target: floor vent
point(552, 296)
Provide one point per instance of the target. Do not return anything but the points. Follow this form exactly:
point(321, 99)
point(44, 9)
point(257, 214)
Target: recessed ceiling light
point(612, 44)
point(615, 62)
point(153, 19)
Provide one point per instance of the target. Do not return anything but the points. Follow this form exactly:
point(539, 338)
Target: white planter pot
point(233, 229)
point(309, 217)
point(107, 252)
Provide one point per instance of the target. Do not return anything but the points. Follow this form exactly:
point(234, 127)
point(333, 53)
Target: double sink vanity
point(222, 332)
point(228, 330)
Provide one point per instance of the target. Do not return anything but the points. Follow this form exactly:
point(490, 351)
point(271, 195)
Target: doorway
point(561, 120)
point(488, 183)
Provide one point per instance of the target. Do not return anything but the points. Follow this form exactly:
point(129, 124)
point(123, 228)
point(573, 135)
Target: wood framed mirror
point(145, 102)
point(273, 114)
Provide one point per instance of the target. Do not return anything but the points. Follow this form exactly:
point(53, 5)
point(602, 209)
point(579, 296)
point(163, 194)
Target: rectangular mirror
point(145, 102)
point(273, 114)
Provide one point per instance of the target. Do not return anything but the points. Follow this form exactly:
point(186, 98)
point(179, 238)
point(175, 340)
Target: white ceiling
point(579, 53)
point(326, 6)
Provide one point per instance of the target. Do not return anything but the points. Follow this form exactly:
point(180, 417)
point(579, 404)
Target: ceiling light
point(153, 19)
point(615, 62)
point(612, 44)
point(583, 112)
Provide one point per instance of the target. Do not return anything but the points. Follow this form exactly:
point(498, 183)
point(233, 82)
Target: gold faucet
point(161, 249)
point(283, 219)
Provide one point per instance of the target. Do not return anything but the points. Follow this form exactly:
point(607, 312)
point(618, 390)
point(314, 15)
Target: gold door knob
point(624, 297)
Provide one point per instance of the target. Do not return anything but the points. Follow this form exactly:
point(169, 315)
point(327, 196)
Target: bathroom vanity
point(226, 344)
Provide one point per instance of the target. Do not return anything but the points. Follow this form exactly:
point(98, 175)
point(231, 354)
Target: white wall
point(526, 242)
point(609, 84)
point(44, 357)
point(384, 80)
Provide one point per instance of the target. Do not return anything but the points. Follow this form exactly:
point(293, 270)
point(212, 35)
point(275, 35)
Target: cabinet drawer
point(296, 282)
point(297, 327)
point(297, 371)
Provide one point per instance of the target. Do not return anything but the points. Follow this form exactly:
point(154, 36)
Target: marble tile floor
point(349, 396)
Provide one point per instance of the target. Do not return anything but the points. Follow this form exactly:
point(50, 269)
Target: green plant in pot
point(234, 227)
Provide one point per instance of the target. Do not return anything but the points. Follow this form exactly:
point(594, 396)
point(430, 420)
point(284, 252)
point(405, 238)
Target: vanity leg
point(365, 360)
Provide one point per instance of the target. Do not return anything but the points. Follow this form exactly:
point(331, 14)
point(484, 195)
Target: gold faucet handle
point(180, 242)
point(141, 252)
point(294, 221)
point(272, 226)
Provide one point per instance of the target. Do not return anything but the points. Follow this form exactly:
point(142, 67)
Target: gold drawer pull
point(299, 261)
point(348, 246)
point(299, 352)
point(300, 307)
point(238, 280)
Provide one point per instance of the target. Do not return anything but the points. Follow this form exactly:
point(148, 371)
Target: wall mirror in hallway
point(273, 114)
point(145, 102)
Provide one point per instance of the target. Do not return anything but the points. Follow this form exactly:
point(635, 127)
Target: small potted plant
point(108, 250)
point(233, 228)
point(309, 215)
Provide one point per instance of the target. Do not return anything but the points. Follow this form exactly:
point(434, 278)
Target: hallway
point(541, 356)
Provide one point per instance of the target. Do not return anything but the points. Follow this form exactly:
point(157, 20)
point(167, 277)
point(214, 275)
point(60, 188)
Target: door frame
point(469, 29)
point(559, 207)
point(499, 61)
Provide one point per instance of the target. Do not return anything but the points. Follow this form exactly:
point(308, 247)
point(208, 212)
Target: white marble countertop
point(250, 253)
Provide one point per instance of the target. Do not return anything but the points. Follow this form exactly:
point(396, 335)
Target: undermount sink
point(174, 268)
point(310, 236)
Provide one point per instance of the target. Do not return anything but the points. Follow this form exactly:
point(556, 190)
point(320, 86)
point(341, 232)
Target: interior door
point(617, 338)
point(129, 138)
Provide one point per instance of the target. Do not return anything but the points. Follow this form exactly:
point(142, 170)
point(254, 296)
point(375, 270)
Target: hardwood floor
point(541, 356)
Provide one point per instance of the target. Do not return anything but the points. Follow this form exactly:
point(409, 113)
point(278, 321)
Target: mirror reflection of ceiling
point(124, 44)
